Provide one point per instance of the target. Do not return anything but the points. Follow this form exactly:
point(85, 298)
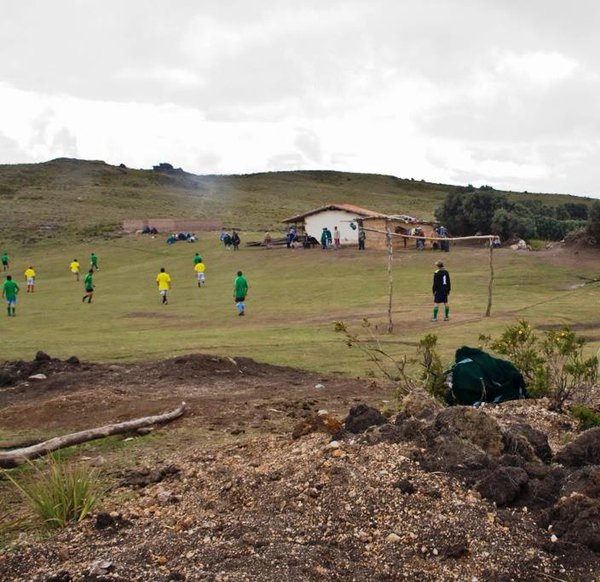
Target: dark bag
point(477, 377)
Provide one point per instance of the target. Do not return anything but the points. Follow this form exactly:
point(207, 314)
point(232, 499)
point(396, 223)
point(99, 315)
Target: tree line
point(468, 210)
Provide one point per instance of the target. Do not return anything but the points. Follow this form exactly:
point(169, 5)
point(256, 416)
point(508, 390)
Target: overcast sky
point(498, 92)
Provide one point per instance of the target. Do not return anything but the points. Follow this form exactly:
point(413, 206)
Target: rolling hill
point(69, 199)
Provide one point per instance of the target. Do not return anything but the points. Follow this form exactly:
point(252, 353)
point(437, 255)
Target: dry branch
point(17, 457)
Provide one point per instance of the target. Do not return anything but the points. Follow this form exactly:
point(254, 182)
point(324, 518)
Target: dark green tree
point(593, 225)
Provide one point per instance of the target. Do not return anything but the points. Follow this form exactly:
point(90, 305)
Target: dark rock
point(7, 378)
point(536, 439)
point(138, 479)
point(42, 357)
point(473, 425)
point(455, 549)
point(575, 519)
point(584, 450)
point(542, 491)
point(107, 521)
point(512, 461)
point(405, 486)
point(73, 361)
point(410, 429)
point(361, 417)
point(503, 485)
point(451, 454)
point(585, 481)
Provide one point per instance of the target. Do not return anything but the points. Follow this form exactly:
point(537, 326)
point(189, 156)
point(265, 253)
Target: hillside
point(76, 199)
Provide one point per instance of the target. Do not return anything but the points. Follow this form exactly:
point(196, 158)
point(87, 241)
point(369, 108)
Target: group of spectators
point(230, 241)
point(184, 236)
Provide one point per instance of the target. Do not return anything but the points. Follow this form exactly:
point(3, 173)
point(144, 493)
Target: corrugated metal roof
point(344, 207)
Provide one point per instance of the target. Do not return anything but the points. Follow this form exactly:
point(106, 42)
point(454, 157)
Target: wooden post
point(388, 236)
point(488, 311)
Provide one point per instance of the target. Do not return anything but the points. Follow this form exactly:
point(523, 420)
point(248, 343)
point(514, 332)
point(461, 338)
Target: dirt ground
point(408, 501)
point(220, 393)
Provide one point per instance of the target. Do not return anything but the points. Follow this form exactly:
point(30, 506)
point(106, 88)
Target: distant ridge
point(72, 199)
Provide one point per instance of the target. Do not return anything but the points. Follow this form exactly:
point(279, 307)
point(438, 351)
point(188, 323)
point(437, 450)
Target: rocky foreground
point(451, 494)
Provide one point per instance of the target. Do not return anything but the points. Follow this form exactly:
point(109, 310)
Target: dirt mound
point(449, 494)
point(270, 508)
point(223, 393)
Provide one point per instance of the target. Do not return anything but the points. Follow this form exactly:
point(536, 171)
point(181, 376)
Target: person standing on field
point(199, 268)
point(163, 281)
point(441, 291)
point(336, 237)
point(30, 278)
point(362, 236)
point(197, 259)
point(240, 291)
point(94, 262)
point(235, 240)
point(88, 285)
point(74, 266)
point(5, 261)
point(10, 290)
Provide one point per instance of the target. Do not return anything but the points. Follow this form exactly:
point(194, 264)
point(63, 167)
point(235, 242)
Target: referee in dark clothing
point(441, 290)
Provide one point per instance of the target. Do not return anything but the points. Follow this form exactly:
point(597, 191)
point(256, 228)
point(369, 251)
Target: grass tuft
point(61, 492)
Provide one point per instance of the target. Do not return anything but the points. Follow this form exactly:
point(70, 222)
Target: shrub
point(553, 366)
point(61, 493)
point(433, 372)
point(431, 376)
point(586, 416)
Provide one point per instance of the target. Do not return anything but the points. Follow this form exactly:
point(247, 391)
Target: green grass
point(59, 492)
point(294, 298)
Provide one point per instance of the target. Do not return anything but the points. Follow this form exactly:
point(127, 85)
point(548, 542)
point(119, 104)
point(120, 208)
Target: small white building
point(340, 215)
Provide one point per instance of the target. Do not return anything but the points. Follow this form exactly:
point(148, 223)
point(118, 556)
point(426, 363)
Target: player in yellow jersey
point(74, 266)
point(163, 281)
point(30, 278)
point(200, 268)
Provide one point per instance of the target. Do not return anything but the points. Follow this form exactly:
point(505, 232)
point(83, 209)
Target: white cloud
point(502, 92)
point(542, 68)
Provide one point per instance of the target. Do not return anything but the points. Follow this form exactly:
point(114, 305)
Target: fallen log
point(16, 457)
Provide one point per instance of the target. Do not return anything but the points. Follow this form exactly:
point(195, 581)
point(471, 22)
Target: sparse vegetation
point(400, 370)
point(553, 366)
point(587, 417)
point(59, 492)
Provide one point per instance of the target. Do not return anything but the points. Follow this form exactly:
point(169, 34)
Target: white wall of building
point(329, 218)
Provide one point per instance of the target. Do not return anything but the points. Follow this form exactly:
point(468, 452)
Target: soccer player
point(30, 278)
point(240, 290)
point(197, 259)
point(74, 266)
point(10, 290)
point(163, 281)
point(5, 261)
point(200, 268)
point(88, 285)
point(441, 290)
point(94, 262)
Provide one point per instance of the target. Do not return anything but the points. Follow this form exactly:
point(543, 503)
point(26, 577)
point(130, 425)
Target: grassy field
point(295, 295)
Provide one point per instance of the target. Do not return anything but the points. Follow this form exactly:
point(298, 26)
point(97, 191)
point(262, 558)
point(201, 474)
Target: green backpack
point(477, 377)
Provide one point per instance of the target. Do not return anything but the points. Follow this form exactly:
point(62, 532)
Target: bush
point(593, 226)
point(553, 366)
point(62, 493)
point(432, 373)
point(586, 416)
